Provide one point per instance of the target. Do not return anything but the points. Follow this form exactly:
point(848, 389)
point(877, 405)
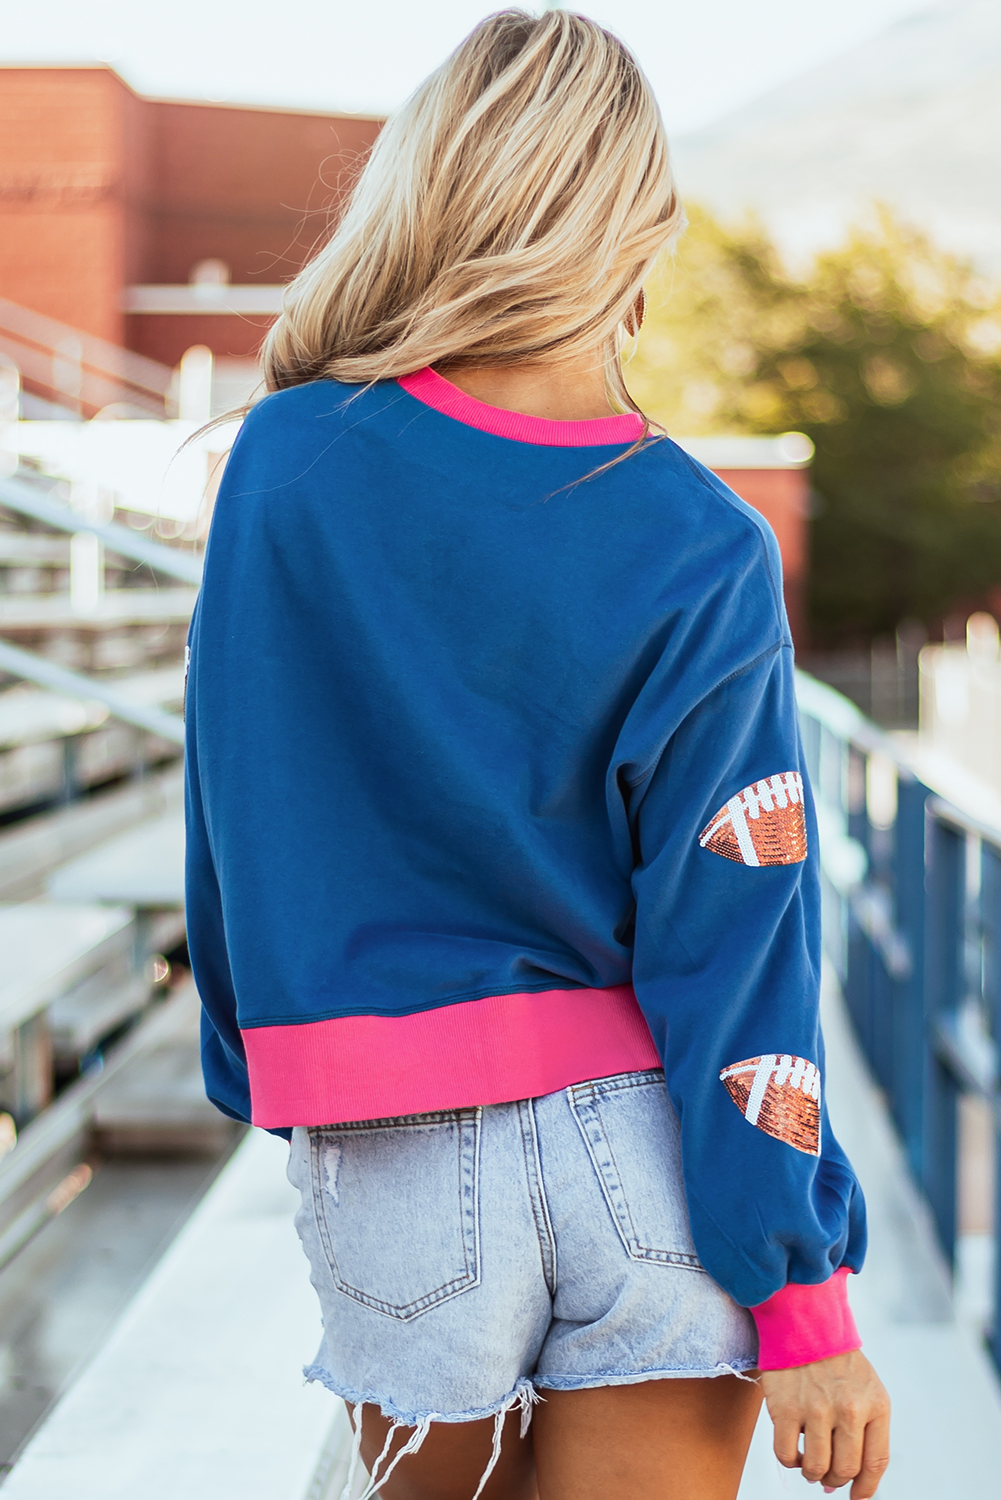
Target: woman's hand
point(842, 1410)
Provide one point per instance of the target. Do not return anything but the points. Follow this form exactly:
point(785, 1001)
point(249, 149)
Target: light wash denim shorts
point(468, 1259)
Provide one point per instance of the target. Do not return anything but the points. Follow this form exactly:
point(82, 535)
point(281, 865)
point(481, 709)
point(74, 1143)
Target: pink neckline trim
point(434, 390)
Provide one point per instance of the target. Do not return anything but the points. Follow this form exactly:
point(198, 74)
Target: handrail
point(110, 359)
point(25, 664)
point(839, 715)
point(946, 812)
point(913, 928)
point(79, 389)
point(32, 1168)
point(18, 494)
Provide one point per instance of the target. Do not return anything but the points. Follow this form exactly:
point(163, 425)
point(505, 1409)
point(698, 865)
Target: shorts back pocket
point(397, 1208)
point(633, 1137)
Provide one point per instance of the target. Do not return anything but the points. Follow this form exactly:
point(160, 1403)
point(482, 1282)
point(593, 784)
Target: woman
point(497, 819)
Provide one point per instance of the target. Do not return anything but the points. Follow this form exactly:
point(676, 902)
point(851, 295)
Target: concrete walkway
point(946, 1396)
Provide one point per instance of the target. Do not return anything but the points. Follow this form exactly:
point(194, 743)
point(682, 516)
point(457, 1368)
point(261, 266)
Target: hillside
point(911, 118)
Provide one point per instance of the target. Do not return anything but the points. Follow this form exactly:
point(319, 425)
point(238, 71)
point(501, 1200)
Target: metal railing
point(78, 372)
point(34, 499)
point(48, 674)
point(912, 923)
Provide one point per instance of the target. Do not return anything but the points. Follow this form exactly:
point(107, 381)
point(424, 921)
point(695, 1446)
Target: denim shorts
point(469, 1259)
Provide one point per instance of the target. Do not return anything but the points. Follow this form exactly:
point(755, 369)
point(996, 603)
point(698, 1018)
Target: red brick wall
point(100, 189)
point(253, 187)
point(139, 186)
point(782, 496)
point(62, 194)
point(166, 337)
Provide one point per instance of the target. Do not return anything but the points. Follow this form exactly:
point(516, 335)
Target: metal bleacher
point(198, 1392)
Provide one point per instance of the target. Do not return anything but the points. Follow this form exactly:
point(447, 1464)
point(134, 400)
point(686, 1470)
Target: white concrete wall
point(961, 701)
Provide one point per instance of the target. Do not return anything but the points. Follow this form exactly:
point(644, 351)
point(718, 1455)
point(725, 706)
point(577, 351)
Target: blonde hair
point(508, 212)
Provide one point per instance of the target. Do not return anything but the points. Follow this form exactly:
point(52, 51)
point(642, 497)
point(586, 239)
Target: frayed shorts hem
point(522, 1392)
point(739, 1367)
point(526, 1389)
point(524, 1395)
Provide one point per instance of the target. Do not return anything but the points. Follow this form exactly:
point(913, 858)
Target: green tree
point(888, 354)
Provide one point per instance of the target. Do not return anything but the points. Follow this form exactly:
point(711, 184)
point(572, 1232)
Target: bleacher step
point(159, 1107)
point(198, 1391)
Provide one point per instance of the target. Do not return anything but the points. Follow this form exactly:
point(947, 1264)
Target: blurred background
point(827, 338)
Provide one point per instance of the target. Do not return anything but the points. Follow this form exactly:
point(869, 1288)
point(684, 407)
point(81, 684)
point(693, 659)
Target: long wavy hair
point(509, 212)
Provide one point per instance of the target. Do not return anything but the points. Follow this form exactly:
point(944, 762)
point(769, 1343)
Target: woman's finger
point(786, 1441)
point(846, 1450)
point(816, 1444)
point(876, 1456)
point(842, 1396)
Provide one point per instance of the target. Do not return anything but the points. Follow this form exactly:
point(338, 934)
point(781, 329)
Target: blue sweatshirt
point(494, 784)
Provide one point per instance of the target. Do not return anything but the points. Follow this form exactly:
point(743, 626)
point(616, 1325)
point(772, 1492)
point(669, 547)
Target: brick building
point(111, 202)
point(156, 225)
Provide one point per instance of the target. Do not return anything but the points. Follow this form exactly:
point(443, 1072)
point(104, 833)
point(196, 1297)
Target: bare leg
point(659, 1440)
point(450, 1462)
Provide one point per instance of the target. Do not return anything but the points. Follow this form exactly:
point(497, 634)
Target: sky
point(704, 57)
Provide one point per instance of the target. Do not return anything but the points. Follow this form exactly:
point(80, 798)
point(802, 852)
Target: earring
point(634, 318)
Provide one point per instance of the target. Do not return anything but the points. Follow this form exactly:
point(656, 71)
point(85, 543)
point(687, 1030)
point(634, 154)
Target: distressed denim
point(460, 1254)
point(468, 1259)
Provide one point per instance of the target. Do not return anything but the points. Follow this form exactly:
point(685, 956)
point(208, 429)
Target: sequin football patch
point(762, 825)
point(779, 1094)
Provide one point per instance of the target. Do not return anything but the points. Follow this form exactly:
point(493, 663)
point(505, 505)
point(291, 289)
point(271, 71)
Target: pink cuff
point(801, 1324)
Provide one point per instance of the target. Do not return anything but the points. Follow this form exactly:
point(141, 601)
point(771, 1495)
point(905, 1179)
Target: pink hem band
point(485, 1051)
point(801, 1324)
point(434, 390)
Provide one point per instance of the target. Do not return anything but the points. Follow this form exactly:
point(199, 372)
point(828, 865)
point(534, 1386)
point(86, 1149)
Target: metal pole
point(990, 909)
point(909, 1019)
point(16, 495)
point(943, 993)
point(859, 958)
point(75, 685)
